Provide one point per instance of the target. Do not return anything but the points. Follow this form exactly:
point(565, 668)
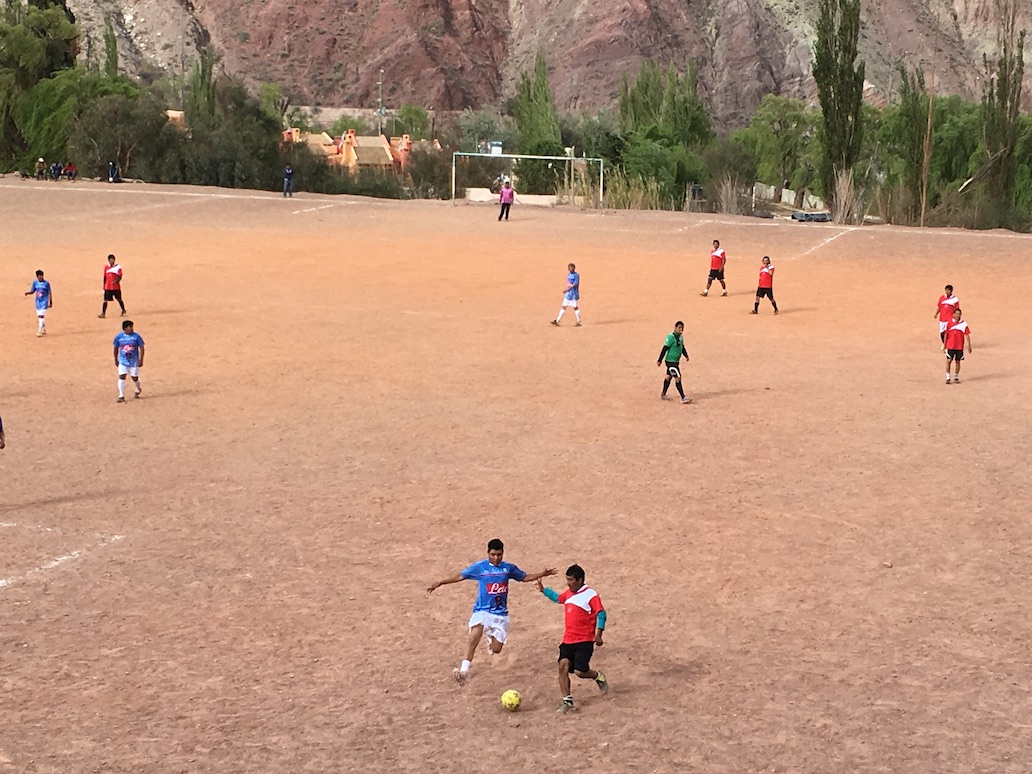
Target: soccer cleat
point(137, 393)
point(956, 380)
point(775, 311)
point(578, 325)
point(947, 380)
point(686, 399)
point(664, 397)
point(121, 399)
point(39, 333)
point(566, 707)
point(602, 683)
point(555, 322)
point(704, 293)
point(755, 312)
point(122, 313)
point(460, 677)
point(101, 316)
point(724, 294)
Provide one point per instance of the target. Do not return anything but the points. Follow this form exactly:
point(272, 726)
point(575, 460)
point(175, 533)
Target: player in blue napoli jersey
point(491, 609)
point(129, 351)
point(572, 295)
point(44, 300)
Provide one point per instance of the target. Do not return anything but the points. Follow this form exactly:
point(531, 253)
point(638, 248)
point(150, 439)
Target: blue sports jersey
point(573, 293)
point(129, 348)
point(493, 596)
point(42, 290)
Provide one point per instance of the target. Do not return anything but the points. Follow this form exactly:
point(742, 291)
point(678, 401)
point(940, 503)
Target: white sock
point(121, 388)
point(577, 312)
point(136, 383)
point(947, 374)
point(42, 324)
point(559, 316)
point(465, 666)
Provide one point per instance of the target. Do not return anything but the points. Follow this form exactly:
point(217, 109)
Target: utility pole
point(379, 102)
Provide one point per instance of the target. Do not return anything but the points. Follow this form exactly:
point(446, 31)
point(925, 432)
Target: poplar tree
point(1001, 105)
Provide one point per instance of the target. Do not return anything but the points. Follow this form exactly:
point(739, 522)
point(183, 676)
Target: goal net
point(569, 179)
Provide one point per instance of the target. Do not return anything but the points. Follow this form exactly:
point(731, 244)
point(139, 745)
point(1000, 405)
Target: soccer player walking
point(505, 198)
point(670, 356)
point(957, 334)
point(491, 609)
point(584, 620)
point(765, 288)
point(44, 300)
point(112, 286)
point(572, 297)
point(129, 351)
point(718, 260)
point(944, 309)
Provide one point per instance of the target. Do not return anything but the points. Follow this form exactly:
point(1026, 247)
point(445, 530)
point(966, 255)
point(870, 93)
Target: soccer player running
point(44, 300)
point(572, 297)
point(670, 356)
point(765, 288)
point(129, 351)
point(584, 621)
point(491, 609)
point(112, 286)
point(718, 260)
point(944, 309)
point(957, 335)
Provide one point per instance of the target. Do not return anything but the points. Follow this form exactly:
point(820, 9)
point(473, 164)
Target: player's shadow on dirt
point(796, 310)
point(721, 393)
point(688, 671)
point(165, 394)
point(61, 500)
point(984, 377)
point(621, 321)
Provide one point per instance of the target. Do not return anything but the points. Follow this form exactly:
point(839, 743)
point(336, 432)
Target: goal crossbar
point(568, 159)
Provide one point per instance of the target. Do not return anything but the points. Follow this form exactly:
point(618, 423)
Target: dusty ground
point(345, 399)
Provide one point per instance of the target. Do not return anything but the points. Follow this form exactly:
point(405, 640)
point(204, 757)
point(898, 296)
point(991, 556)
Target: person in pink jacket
point(506, 197)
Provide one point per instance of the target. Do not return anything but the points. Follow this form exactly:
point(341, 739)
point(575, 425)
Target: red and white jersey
point(766, 276)
point(956, 332)
point(580, 611)
point(947, 306)
point(717, 258)
point(112, 277)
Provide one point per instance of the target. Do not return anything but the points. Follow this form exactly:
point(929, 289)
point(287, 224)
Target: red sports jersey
point(581, 609)
point(956, 332)
point(717, 258)
point(112, 277)
point(767, 277)
point(947, 306)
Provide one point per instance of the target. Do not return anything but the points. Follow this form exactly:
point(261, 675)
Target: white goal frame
point(567, 159)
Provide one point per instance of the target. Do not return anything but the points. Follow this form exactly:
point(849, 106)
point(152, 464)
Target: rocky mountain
point(453, 54)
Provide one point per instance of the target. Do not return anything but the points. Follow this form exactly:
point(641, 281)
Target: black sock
point(756, 306)
point(680, 389)
point(103, 308)
point(774, 305)
point(666, 385)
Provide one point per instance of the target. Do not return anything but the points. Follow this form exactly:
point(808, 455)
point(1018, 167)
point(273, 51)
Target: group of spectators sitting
point(56, 170)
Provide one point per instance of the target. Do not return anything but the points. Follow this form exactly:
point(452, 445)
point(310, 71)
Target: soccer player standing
point(584, 621)
point(718, 260)
point(572, 296)
point(957, 335)
point(44, 300)
point(505, 198)
point(765, 288)
point(947, 304)
point(112, 286)
point(129, 351)
point(670, 356)
point(491, 609)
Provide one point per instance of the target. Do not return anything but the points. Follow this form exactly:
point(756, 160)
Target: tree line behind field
point(924, 158)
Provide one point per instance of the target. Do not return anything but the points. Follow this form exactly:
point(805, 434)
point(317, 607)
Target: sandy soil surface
point(820, 565)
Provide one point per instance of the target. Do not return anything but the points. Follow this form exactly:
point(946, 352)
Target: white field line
point(821, 244)
point(313, 209)
point(53, 563)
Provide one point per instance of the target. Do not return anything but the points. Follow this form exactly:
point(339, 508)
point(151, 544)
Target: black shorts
point(954, 354)
point(673, 369)
point(111, 295)
point(765, 292)
point(578, 654)
point(716, 274)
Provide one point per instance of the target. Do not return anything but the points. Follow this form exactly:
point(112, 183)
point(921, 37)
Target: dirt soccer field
point(820, 565)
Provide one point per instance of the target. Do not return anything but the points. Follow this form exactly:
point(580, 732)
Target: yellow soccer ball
point(511, 700)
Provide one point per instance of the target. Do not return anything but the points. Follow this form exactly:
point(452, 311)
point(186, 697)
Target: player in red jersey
point(718, 260)
point(956, 336)
point(944, 309)
point(765, 288)
point(112, 285)
point(585, 620)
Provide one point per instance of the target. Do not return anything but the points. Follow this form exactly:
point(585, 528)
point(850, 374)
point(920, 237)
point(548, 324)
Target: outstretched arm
point(456, 578)
point(536, 576)
point(552, 594)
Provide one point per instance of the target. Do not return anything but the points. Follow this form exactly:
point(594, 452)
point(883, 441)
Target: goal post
point(573, 163)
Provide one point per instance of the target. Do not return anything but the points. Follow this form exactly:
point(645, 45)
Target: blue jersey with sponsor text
point(42, 290)
point(493, 596)
point(129, 348)
point(573, 291)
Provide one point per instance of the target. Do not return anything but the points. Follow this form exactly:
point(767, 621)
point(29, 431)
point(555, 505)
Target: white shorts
point(133, 371)
point(495, 626)
point(571, 302)
point(41, 313)
point(942, 327)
